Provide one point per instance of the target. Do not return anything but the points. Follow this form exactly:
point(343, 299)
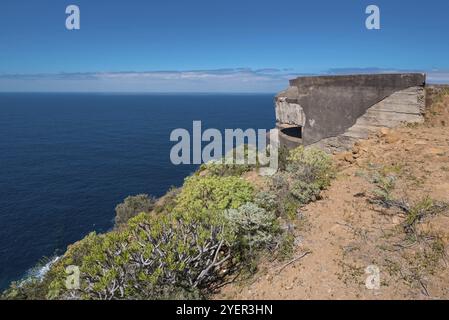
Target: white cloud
point(220, 80)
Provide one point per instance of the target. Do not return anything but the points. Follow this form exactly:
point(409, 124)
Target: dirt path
point(345, 232)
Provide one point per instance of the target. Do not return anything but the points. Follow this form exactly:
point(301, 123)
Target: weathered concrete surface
point(329, 107)
point(289, 113)
point(403, 106)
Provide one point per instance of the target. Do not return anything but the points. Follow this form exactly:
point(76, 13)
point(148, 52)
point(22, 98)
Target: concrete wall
point(339, 109)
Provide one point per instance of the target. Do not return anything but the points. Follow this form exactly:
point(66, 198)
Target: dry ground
point(385, 208)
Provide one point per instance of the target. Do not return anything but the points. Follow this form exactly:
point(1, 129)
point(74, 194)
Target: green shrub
point(166, 257)
point(227, 166)
point(283, 155)
point(286, 246)
point(131, 207)
point(305, 192)
point(311, 165)
point(307, 172)
point(267, 200)
point(280, 182)
point(253, 227)
point(224, 170)
point(74, 256)
point(286, 204)
point(201, 195)
point(383, 193)
point(51, 284)
point(167, 203)
point(289, 207)
point(30, 288)
point(34, 285)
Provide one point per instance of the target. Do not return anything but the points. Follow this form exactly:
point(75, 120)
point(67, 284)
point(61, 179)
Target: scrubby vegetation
point(131, 207)
point(223, 169)
point(192, 241)
point(409, 251)
point(229, 166)
point(200, 195)
point(252, 227)
point(307, 172)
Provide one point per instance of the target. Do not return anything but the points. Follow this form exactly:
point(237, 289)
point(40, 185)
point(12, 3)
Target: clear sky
point(199, 45)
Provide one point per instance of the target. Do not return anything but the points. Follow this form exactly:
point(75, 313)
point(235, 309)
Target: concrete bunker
point(332, 112)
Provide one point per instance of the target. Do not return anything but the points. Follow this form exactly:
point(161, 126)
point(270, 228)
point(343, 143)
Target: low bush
point(224, 170)
point(311, 171)
point(283, 155)
point(31, 288)
point(286, 246)
point(51, 285)
point(165, 257)
point(177, 256)
point(167, 203)
point(310, 165)
point(305, 192)
point(228, 165)
point(307, 173)
point(253, 227)
point(266, 200)
point(385, 184)
point(132, 206)
point(201, 195)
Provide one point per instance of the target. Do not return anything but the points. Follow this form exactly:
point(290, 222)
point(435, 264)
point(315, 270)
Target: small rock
point(392, 137)
point(436, 151)
point(363, 145)
point(396, 220)
point(421, 143)
point(349, 158)
point(383, 132)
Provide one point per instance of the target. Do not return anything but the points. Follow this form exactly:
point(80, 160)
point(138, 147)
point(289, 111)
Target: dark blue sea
point(66, 160)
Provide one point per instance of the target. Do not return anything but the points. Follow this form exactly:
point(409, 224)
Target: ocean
point(66, 160)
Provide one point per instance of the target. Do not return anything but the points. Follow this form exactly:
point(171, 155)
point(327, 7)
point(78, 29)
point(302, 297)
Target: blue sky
point(198, 45)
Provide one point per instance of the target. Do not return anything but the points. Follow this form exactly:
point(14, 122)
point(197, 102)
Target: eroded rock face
point(289, 113)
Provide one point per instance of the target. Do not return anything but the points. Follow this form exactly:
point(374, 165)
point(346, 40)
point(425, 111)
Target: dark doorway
point(295, 132)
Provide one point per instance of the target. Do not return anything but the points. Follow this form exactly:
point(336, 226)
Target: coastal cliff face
point(332, 112)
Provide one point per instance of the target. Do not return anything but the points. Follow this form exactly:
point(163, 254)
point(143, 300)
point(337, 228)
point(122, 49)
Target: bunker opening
point(294, 132)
